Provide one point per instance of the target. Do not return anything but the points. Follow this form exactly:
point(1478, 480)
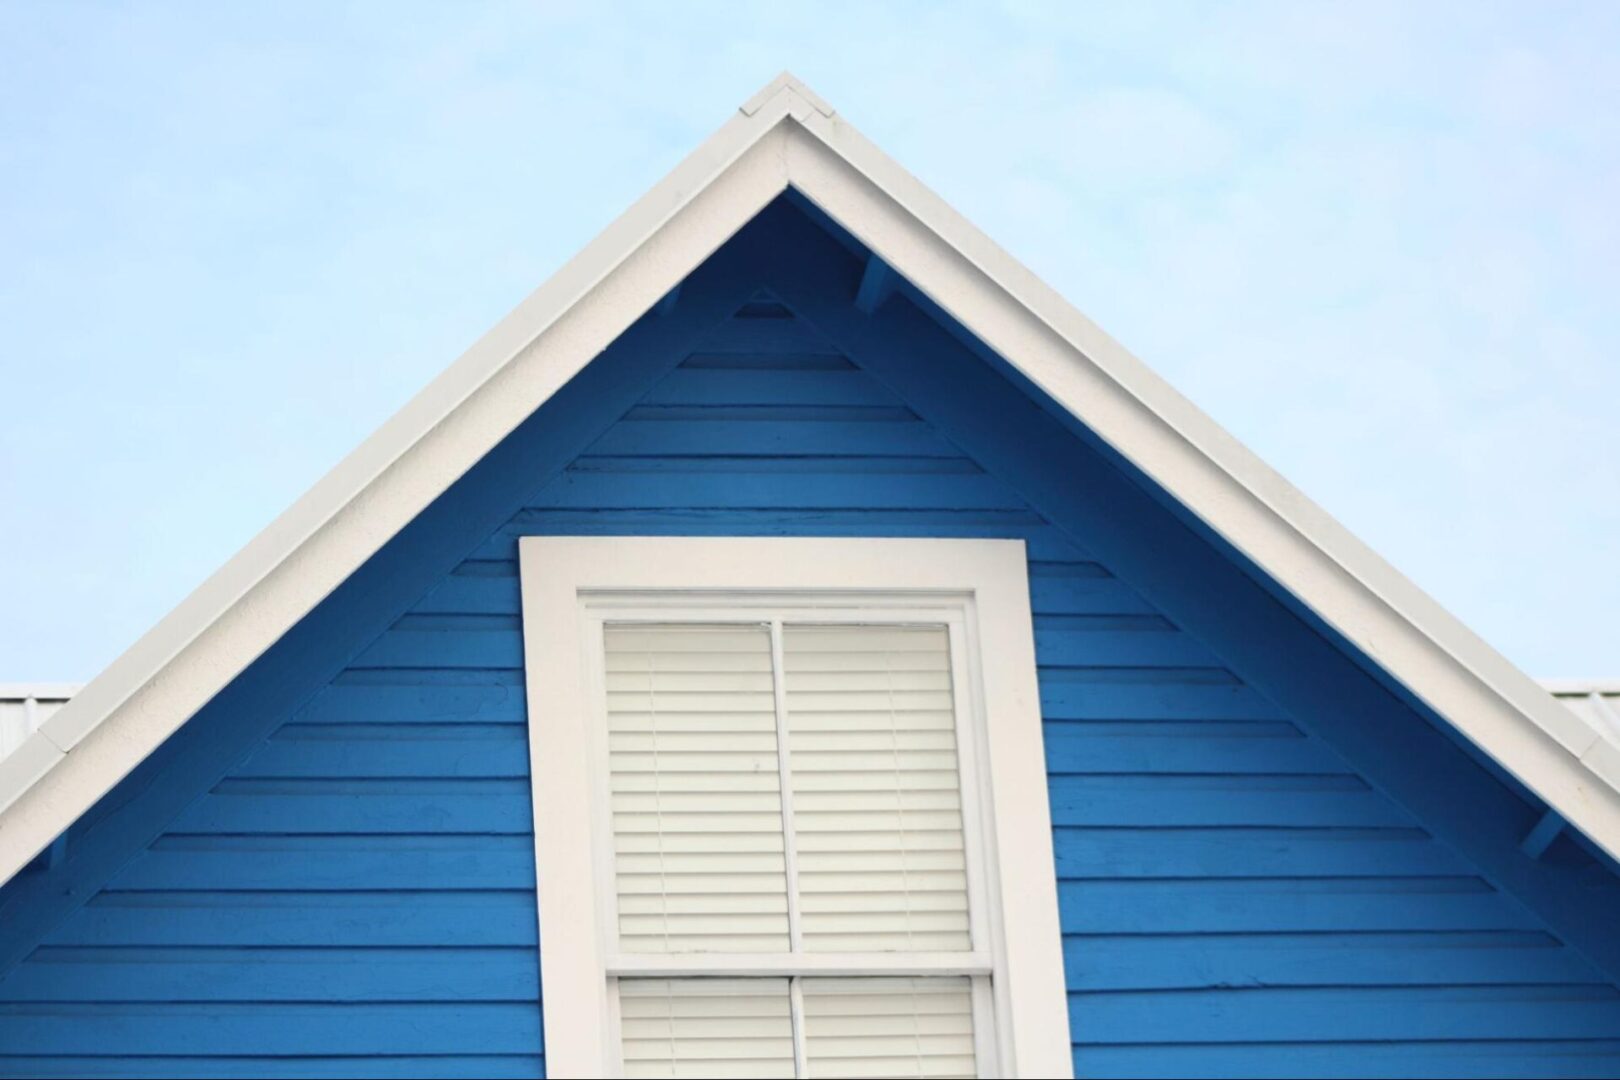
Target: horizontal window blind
point(696, 795)
point(863, 852)
point(889, 1027)
point(706, 1027)
point(852, 1027)
point(876, 789)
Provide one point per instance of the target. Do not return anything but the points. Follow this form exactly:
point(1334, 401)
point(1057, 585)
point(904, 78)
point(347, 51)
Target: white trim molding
point(786, 136)
point(976, 590)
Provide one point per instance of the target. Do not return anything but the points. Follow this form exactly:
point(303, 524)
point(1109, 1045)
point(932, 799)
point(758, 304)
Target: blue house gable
point(1273, 859)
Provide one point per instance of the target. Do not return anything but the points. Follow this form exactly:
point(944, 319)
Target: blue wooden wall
point(352, 891)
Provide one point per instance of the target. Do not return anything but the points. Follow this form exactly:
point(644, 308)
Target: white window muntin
point(574, 587)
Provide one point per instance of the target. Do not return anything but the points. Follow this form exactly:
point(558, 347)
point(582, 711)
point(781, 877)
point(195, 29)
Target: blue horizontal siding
point(359, 917)
point(356, 897)
point(348, 975)
point(1508, 1059)
point(275, 1029)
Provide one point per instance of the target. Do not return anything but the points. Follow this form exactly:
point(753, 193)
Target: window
point(790, 809)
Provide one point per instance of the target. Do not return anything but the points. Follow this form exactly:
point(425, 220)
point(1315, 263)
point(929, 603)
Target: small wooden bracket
point(669, 300)
point(877, 285)
point(1540, 838)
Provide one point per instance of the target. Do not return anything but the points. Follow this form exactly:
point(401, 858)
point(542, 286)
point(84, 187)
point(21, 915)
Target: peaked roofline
point(785, 136)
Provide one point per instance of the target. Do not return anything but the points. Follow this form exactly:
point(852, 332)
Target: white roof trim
point(37, 691)
point(1563, 687)
point(786, 135)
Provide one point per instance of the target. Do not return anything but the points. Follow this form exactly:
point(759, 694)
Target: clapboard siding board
point(1486, 1058)
point(1268, 959)
point(1370, 1014)
point(1247, 852)
point(1284, 905)
point(342, 863)
point(274, 1029)
point(267, 920)
point(359, 891)
point(432, 696)
point(699, 386)
point(317, 751)
point(347, 975)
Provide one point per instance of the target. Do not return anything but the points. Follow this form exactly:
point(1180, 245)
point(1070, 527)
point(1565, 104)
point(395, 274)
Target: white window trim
point(984, 583)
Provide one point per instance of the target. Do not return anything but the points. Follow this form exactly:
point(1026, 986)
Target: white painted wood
point(18, 719)
point(28, 762)
point(790, 828)
point(801, 1053)
point(785, 85)
point(754, 965)
point(574, 872)
point(984, 1028)
point(24, 709)
point(1596, 703)
point(1563, 687)
point(42, 691)
point(878, 639)
point(786, 135)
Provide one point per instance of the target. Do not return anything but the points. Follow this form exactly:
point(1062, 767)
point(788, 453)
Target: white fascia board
point(125, 713)
point(28, 762)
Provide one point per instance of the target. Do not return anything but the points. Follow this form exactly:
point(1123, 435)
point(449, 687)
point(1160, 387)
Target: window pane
point(877, 806)
point(697, 806)
point(706, 1027)
point(889, 1027)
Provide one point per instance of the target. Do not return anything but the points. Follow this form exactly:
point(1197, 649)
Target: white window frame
point(978, 588)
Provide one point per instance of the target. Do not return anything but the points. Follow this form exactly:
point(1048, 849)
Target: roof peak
point(789, 83)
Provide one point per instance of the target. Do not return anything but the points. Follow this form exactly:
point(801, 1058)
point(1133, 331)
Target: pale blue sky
point(1379, 243)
